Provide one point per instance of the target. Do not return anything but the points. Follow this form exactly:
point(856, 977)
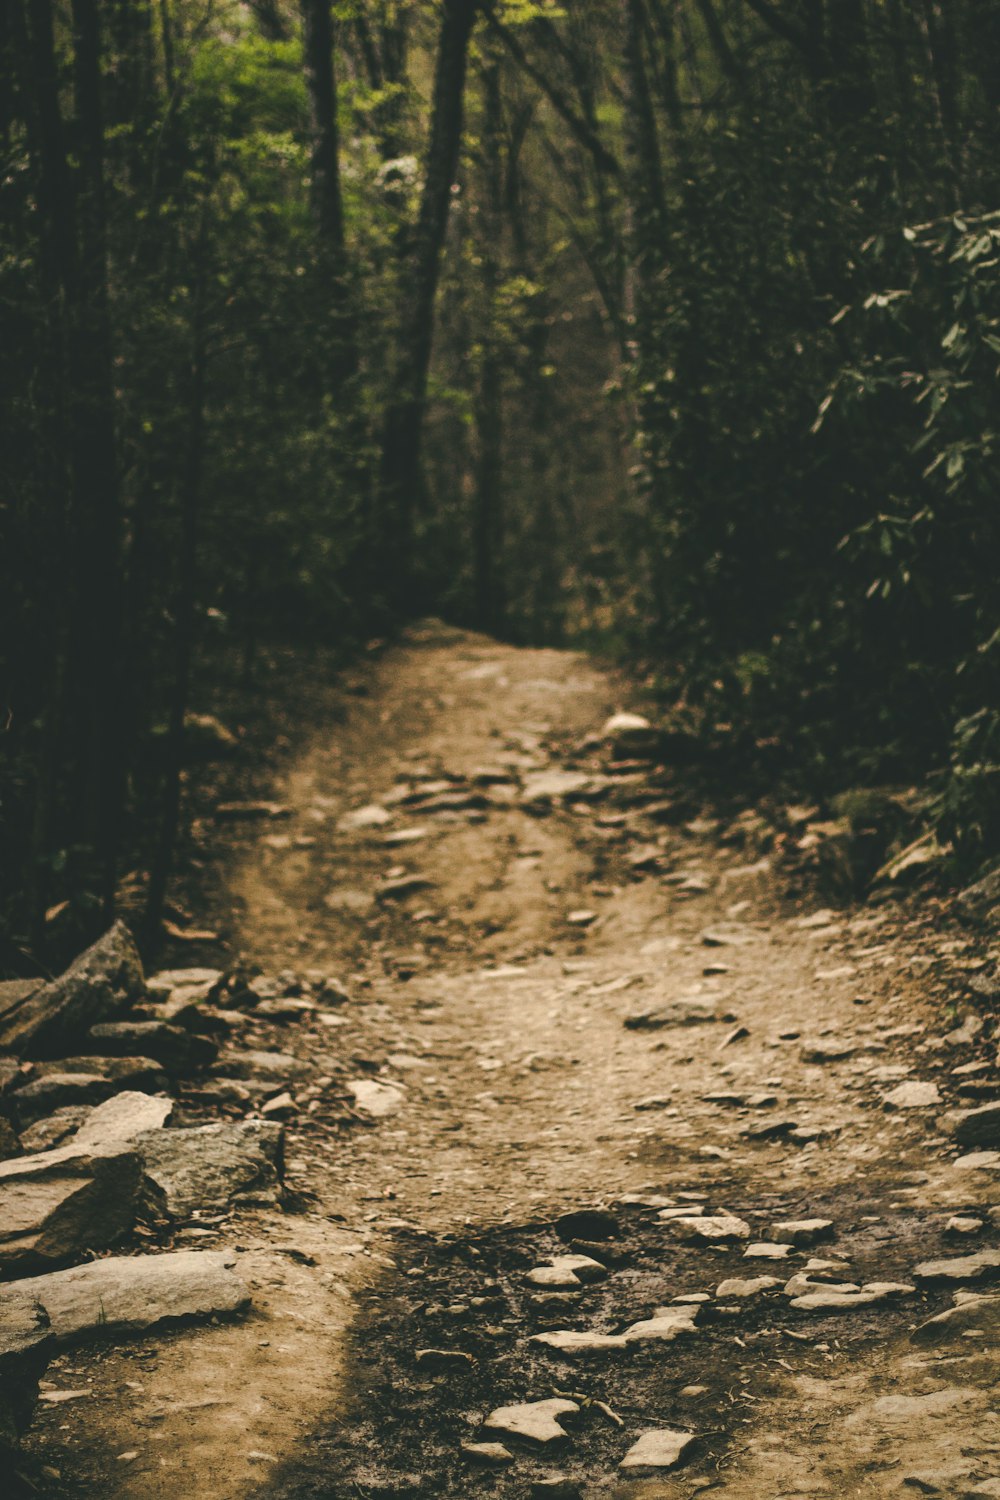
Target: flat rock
point(802, 1232)
point(983, 1266)
point(189, 986)
point(120, 1121)
point(830, 1300)
point(656, 1450)
point(769, 1130)
point(567, 1271)
point(57, 1204)
point(690, 1012)
point(534, 1422)
point(131, 1294)
point(276, 1067)
point(371, 816)
point(492, 1455)
point(750, 1286)
point(666, 1325)
point(98, 986)
point(401, 887)
point(552, 786)
point(826, 1050)
point(208, 1166)
point(912, 1095)
point(973, 1127)
point(374, 1098)
point(55, 1129)
point(175, 1048)
point(765, 1250)
point(577, 1343)
point(710, 1229)
point(971, 1311)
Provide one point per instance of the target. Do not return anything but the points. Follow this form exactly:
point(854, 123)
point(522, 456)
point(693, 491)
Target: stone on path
point(402, 886)
point(551, 786)
point(983, 1266)
point(372, 816)
point(977, 1161)
point(208, 1166)
point(130, 1294)
point(97, 986)
point(825, 1050)
point(710, 1229)
point(174, 1048)
point(802, 1232)
point(374, 1098)
point(831, 1300)
point(666, 1325)
point(751, 1286)
point(492, 1455)
point(769, 1130)
point(57, 1204)
point(656, 1450)
point(766, 1250)
point(184, 986)
point(567, 1271)
point(681, 1012)
point(119, 1121)
point(912, 1095)
point(580, 1342)
point(971, 1311)
point(533, 1422)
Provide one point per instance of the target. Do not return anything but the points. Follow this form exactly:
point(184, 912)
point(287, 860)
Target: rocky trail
point(541, 1133)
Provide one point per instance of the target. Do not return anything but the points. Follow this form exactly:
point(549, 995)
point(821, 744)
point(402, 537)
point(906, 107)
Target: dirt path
point(490, 1005)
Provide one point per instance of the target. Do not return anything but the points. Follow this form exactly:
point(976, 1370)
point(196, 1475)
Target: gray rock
point(126, 1295)
point(491, 1455)
point(974, 1127)
point(665, 1326)
point(912, 1096)
point(802, 1232)
point(374, 1098)
point(55, 1129)
point(57, 1204)
point(552, 786)
point(209, 1165)
point(98, 986)
point(829, 1299)
point(577, 1343)
point(176, 1049)
point(711, 1229)
point(681, 1012)
point(120, 1121)
point(750, 1286)
point(26, 1346)
point(765, 1250)
point(567, 1271)
point(532, 1422)
point(277, 1067)
point(825, 1050)
point(185, 986)
point(656, 1450)
point(962, 1226)
point(983, 1266)
point(981, 902)
point(769, 1130)
point(971, 1311)
point(86, 1080)
point(402, 887)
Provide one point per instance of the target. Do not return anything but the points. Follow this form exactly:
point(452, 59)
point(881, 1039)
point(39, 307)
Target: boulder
point(57, 1204)
point(974, 1127)
point(209, 1165)
point(126, 1295)
point(121, 1120)
point(98, 986)
point(81, 1080)
point(971, 1311)
point(681, 1012)
point(176, 1049)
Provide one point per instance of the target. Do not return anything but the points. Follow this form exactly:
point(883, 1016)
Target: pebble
point(912, 1096)
point(532, 1421)
point(661, 1448)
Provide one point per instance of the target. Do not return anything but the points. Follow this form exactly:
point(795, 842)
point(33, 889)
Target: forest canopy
point(668, 327)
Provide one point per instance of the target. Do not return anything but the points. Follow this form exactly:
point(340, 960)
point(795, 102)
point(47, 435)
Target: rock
point(689, 1012)
point(711, 1229)
point(402, 887)
point(55, 1129)
point(802, 1232)
point(746, 1287)
point(831, 1300)
point(765, 1250)
point(977, 1161)
point(545, 787)
point(981, 902)
point(252, 812)
point(57, 1204)
point(376, 1099)
point(567, 1271)
point(121, 1120)
point(964, 1034)
point(555, 1487)
point(824, 1050)
point(581, 918)
point(208, 1166)
point(985, 985)
point(533, 1422)
point(492, 1455)
point(983, 1266)
point(45, 1095)
point(188, 986)
point(277, 1067)
point(281, 1107)
point(372, 816)
point(126, 1295)
point(176, 1049)
point(658, 1449)
point(727, 937)
point(26, 1346)
point(443, 1359)
point(974, 1127)
point(207, 738)
point(666, 1325)
point(575, 1343)
point(587, 1224)
point(98, 986)
point(769, 1130)
point(912, 1096)
point(959, 1225)
point(971, 1311)
point(9, 1143)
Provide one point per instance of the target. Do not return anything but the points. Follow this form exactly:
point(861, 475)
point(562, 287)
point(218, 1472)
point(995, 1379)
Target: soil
point(491, 998)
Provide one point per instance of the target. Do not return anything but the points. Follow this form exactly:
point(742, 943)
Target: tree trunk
point(324, 155)
point(488, 519)
point(404, 418)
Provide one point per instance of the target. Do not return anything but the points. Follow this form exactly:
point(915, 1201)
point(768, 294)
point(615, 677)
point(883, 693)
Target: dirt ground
point(491, 1002)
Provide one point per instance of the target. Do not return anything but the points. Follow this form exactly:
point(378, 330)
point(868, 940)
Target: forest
point(668, 329)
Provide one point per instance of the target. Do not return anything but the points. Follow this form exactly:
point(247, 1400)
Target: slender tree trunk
point(404, 418)
point(488, 519)
point(324, 155)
